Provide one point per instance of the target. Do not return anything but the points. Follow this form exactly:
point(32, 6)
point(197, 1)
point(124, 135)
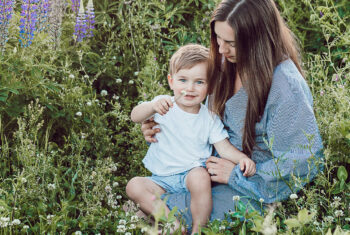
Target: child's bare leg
point(144, 192)
point(199, 184)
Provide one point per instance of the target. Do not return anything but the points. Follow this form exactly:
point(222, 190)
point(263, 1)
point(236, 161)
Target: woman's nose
point(222, 48)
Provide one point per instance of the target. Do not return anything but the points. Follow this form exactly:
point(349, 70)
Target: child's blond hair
point(188, 56)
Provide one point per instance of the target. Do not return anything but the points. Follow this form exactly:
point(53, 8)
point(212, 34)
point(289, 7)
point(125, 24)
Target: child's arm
point(226, 150)
point(144, 111)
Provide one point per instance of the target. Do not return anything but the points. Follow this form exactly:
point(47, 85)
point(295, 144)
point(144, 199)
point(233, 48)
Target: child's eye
point(200, 82)
point(182, 80)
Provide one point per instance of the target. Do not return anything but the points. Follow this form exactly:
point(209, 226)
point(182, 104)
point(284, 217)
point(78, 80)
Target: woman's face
point(226, 40)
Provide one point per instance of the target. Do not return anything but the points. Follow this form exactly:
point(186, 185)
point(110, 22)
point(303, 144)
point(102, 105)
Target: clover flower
point(28, 22)
point(80, 25)
point(51, 186)
point(104, 93)
point(121, 229)
point(236, 198)
point(16, 222)
point(293, 196)
point(6, 10)
point(79, 114)
point(90, 19)
point(339, 213)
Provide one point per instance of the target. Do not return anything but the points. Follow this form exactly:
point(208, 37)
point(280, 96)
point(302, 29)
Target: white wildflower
point(23, 180)
point(71, 76)
point(132, 226)
point(328, 219)
point(115, 184)
point(86, 76)
point(131, 82)
point(93, 174)
point(78, 114)
point(119, 196)
point(128, 233)
point(118, 80)
point(337, 199)
point(261, 200)
point(78, 233)
point(116, 97)
point(83, 135)
point(236, 198)
point(108, 189)
point(136, 73)
point(143, 230)
point(121, 229)
point(16, 222)
point(88, 103)
point(347, 219)
point(222, 227)
point(122, 222)
point(134, 218)
point(25, 227)
point(316, 223)
point(104, 93)
point(293, 196)
point(338, 213)
point(114, 168)
point(51, 186)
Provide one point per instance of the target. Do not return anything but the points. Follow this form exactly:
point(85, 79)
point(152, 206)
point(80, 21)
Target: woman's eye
point(232, 45)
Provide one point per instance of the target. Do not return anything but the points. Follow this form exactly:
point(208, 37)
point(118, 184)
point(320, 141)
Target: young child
point(188, 130)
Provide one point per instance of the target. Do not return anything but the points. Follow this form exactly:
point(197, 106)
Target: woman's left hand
point(220, 169)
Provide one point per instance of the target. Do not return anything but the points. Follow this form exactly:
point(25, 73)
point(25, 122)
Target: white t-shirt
point(185, 140)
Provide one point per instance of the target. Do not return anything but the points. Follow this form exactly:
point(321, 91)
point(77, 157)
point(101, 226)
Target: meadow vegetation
point(68, 146)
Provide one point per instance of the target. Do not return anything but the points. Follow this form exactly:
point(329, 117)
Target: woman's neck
point(238, 84)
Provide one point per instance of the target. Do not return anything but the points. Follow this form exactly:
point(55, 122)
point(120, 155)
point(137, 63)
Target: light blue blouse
point(292, 158)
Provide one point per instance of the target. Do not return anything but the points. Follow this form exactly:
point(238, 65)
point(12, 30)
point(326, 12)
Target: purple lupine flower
point(43, 13)
point(90, 19)
point(80, 25)
point(321, 14)
point(6, 10)
point(57, 9)
point(28, 22)
point(75, 6)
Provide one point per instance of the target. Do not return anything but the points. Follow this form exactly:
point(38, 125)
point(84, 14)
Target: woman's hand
point(148, 132)
point(220, 169)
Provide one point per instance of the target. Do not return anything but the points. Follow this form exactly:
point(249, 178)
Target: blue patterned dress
point(292, 158)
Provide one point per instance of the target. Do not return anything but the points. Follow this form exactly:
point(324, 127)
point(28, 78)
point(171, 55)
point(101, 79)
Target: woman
point(257, 87)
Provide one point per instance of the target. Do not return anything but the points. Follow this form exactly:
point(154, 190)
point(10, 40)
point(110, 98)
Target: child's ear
point(170, 81)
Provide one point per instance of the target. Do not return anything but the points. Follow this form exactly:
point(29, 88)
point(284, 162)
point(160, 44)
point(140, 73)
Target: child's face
point(194, 82)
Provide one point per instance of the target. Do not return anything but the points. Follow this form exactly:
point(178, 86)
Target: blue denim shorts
point(173, 183)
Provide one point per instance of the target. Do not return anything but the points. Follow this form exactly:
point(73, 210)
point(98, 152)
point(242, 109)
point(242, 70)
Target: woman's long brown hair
point(262, 42)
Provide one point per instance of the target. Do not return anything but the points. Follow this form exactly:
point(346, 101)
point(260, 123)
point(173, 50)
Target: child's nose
point(190, 86)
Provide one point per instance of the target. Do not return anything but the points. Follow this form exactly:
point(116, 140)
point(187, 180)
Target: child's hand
point(162, 105)
point(248, 166)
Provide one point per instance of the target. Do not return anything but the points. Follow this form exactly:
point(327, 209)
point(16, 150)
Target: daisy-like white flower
point(79, 114)
point(293, 196)
point(236, 198)
point(261, 200)
point(51, 186)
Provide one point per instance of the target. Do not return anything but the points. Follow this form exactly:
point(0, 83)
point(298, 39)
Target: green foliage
point(68, 146)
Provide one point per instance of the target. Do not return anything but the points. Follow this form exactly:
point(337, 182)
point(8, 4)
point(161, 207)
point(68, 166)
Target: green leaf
point(342, 174)
point(292, 223)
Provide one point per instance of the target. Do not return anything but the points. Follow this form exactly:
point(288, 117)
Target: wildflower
point(134, 218)
point(93, 174)
point(339, 213)
point(90, 18)
point(78, 233)
point(293, 196)
point(261, 200)
point(25, 226)
point(104, 93)
point(115, 184)
point(132, 226)
point(131, 82)
point(43, 14)
point(155, 58)
point(16, 222)
point(118, 80)
point(136, 73)
point(79, 114)
point(143, 230)
point(56, 13)
point(122, 222)
point(75, 6)
point(236, 198)
point(108, 189)
point(128, 233)
point(321, 92)
point(6, 11)
point(337, 199)
point(23, 180)
point(114, 168)
point(51, 186)
point(71, 76)
point(86, 76)
point(80, 26)
point(121, 229)
point(222, 227)
point(115, 97)
point(321, 14)
point(329, 219)
point(114, 57)
point(316, 223)
point(347, 219)
point(119, 197)
point(28, 22)
point(335, 77)
point(341, 86)
point(88, 103)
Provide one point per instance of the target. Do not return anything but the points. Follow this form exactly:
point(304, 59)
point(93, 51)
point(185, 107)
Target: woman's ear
point(170, 81)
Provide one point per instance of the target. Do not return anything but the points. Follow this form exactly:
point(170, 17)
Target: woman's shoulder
point(288, 83)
